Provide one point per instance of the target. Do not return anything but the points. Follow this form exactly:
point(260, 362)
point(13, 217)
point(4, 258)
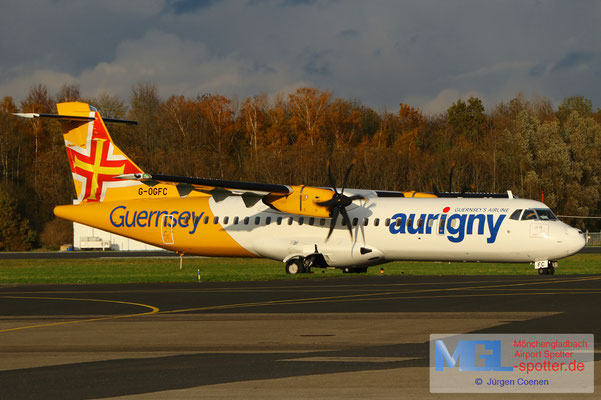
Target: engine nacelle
point(302, 201)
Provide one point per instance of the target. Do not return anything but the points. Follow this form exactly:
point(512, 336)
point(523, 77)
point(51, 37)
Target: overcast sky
point(424, 53)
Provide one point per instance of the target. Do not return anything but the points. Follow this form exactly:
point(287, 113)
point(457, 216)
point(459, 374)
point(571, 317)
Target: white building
point(98, 239)
point(105, 240)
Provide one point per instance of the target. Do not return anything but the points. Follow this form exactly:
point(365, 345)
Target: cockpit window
point(516, 215)
point(538, 214)
point(545, 214)
point(529, 214)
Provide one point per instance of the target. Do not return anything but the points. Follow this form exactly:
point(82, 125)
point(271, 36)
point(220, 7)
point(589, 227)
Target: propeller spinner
point(338, 203)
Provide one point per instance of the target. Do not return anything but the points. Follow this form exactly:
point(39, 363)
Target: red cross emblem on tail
point(98, 164)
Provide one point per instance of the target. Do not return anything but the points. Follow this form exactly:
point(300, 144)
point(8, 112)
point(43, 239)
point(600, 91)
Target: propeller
point(338, 203)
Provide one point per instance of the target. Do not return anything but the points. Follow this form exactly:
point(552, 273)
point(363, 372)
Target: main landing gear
point(296, 266)
point(303, 265)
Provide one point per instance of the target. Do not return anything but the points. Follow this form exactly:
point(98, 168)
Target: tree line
point(523, 145)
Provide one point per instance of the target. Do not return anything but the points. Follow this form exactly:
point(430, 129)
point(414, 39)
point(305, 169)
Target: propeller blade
point(346, 175)
point(348, 220)
point(357, 197)
point(327, 203)
point(331, 177)
point(333, 223)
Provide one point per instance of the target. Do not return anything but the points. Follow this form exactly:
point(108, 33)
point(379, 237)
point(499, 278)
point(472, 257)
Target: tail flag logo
point(96, 166)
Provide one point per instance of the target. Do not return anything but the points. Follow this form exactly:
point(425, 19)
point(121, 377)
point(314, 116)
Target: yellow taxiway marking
point(153, 309)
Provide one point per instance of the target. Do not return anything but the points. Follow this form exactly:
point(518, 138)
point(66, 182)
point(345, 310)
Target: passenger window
point(409, 222)
point(226, 220)
point(398, 222)
point(355, 221)
point(529, 215)
point(322, 221)
point(290, 220)
point(430, 223)
point(365, 221)
point(279, 221)
point(246, 220)
point(206, 220)
point(236, 219)
point(387, 222)
point(267, 220)
point(257, 220)
point(216, 220)
point(311, 221)
point(420, 223)
point(376, 221)
point(516, 215)
point(301, 220)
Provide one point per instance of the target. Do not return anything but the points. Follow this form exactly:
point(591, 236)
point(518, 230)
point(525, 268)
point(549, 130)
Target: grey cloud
point(573, 59)
point(187, 6)
point(349, 34)
point(537, 70)
point(318, 63)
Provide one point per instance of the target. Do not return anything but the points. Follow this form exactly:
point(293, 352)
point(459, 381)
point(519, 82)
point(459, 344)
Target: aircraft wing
point(251, 192)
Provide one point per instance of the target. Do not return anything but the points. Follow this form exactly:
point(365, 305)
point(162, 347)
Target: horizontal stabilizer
point(73, 118)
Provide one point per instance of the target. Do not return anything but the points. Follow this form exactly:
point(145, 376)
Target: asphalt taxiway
point(345, 338)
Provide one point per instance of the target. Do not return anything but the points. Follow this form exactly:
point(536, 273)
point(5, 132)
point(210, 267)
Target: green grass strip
point(140, 270)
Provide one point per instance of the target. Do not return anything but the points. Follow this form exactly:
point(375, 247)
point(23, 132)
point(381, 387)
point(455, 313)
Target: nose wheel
point(550, 270)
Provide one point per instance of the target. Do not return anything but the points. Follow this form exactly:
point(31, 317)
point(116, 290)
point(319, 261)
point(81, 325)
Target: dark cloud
point(187, 6)
point(537, 70)
point(318, 63)
point(349, 34)
point(573, 59)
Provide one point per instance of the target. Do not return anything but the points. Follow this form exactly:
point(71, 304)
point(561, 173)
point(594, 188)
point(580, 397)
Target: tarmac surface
point(356, 337)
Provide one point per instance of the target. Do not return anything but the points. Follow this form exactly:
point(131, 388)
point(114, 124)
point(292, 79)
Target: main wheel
point(294, 266)
point(542, 271)
point(551, 270)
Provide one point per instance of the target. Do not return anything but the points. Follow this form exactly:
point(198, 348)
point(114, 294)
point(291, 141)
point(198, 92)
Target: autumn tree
point(218, 111)
point(15, 233)
point(309, 113)
point(145, 106)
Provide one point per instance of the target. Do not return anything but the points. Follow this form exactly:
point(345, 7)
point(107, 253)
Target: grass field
point(130, 270)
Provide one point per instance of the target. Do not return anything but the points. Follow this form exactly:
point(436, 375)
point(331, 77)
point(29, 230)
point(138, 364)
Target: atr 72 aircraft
point(298, 225)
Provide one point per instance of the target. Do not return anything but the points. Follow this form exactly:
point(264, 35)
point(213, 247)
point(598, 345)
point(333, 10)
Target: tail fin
point(95, 161)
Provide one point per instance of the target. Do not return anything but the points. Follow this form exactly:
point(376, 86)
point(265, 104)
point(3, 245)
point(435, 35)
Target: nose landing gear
point(548, 269)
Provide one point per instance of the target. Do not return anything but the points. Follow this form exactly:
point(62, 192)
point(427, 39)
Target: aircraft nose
point(576, 240)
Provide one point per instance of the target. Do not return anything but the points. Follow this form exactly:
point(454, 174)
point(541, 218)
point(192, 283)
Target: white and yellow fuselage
point(429, 229)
